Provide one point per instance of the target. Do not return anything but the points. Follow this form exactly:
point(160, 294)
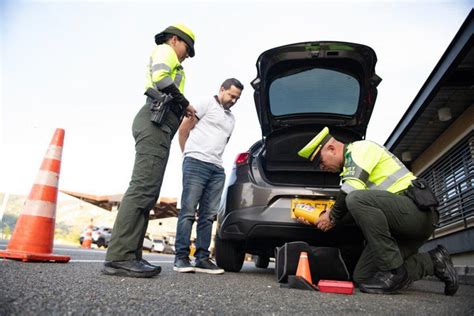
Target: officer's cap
point(182, 32)
point(312, 149)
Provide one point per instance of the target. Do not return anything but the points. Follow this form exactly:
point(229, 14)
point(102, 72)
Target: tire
point(81, 240)
point(228, 255)
point(100, 242)
point(262, 262)
point(152, 249)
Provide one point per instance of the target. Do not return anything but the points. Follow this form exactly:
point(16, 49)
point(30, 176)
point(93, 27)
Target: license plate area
point(321, 205)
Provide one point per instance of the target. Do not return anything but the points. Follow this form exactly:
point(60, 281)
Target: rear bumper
point(274, 225)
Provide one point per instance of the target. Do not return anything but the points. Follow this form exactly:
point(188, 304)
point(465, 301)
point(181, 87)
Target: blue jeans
point(203, 183)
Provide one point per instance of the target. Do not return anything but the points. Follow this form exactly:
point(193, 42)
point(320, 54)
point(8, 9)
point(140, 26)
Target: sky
point(80, 65)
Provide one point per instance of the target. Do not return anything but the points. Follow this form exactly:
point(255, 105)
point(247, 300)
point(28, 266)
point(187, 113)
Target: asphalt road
point(78, 288)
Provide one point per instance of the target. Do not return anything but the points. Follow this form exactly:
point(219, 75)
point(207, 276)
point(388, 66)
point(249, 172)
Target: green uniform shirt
point(369, 166)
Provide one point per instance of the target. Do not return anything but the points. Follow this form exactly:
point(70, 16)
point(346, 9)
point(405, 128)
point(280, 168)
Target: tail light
point(242, 159)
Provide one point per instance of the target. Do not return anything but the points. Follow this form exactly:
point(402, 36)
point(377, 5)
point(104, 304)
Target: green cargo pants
point(394, 229)
point(152, 145)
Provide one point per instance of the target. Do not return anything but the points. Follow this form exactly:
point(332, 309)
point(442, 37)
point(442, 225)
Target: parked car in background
point(158, 245)
point(299, 89)
point(100, 235)
point(148, 243)
point(169, 248)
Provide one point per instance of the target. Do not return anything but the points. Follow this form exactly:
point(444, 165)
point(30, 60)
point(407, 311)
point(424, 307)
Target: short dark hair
point(232, 82)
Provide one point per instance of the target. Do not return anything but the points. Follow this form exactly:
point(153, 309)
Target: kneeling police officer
point(377, 190)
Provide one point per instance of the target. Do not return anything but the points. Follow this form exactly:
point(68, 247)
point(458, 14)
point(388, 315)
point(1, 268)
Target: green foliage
point(67, 233)
point(9, 220)
point(6, 230)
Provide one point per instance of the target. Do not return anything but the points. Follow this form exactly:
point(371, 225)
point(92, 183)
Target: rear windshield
point(315, 90)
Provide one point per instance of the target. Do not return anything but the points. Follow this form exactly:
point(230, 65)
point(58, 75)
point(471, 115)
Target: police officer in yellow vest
point(152, 143)
point(374, 183)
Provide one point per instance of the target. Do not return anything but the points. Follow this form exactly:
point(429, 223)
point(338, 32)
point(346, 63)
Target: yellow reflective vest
point(164, 69)
point(369, 166)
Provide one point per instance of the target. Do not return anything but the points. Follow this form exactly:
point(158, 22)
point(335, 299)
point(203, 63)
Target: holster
point(159, 108)
point(421, 194)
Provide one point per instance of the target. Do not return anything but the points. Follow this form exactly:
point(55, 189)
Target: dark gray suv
point(299, 89)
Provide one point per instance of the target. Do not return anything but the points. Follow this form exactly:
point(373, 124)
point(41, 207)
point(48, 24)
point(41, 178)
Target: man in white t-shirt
point(203, 139)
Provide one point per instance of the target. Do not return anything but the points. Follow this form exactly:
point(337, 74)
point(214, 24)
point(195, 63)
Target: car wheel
point(152, 249)
point(262, 262)
point(228, 255)
point(100, 242)
point(81, 240)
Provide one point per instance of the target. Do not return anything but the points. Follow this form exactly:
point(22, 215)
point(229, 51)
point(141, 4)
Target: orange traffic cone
point(303, 267)
point(87, 242)
point(33, 237)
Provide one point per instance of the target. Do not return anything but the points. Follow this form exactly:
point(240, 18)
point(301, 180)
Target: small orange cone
point(33, 237)
point(303, 267)
point(87, 242)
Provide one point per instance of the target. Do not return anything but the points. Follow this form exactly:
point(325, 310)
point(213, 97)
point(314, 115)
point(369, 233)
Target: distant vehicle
point(148, 244)
point(169, 248)
point(158, 245)
point(100, 236)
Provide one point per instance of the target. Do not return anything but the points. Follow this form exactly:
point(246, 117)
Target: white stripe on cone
point(39, 208)
point(48, 178)
point(54, 152)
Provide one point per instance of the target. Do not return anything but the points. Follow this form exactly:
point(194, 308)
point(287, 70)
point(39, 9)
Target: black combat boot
point(386, 282)
point(156, 267)
point(444, 269)
point(131, 268)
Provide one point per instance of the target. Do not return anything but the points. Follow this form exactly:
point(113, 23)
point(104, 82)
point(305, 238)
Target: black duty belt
point(402, 192)
point(175, 108)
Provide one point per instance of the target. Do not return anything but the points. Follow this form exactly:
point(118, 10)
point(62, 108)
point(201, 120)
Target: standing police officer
point(373, 191)
point(152, 145)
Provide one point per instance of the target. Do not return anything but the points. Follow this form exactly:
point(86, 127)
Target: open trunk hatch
point(330, 83)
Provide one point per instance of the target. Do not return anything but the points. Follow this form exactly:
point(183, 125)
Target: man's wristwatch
point(332, 220)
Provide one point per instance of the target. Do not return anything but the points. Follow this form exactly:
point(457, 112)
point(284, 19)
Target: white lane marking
point(154, 261)
point(93, 250)
point(86, 260)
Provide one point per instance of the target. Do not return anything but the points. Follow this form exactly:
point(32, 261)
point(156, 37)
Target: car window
point(314, 90)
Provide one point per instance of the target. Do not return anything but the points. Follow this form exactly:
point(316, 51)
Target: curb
point(465, 274)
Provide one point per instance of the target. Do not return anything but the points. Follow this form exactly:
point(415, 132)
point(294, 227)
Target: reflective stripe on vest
point(177, 79)
point(373, 162)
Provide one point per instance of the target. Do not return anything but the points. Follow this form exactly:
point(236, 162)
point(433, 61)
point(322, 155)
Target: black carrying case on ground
point(325, 262)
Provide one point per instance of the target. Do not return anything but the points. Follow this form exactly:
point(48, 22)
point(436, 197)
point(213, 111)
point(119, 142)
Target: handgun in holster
point(160, 105)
